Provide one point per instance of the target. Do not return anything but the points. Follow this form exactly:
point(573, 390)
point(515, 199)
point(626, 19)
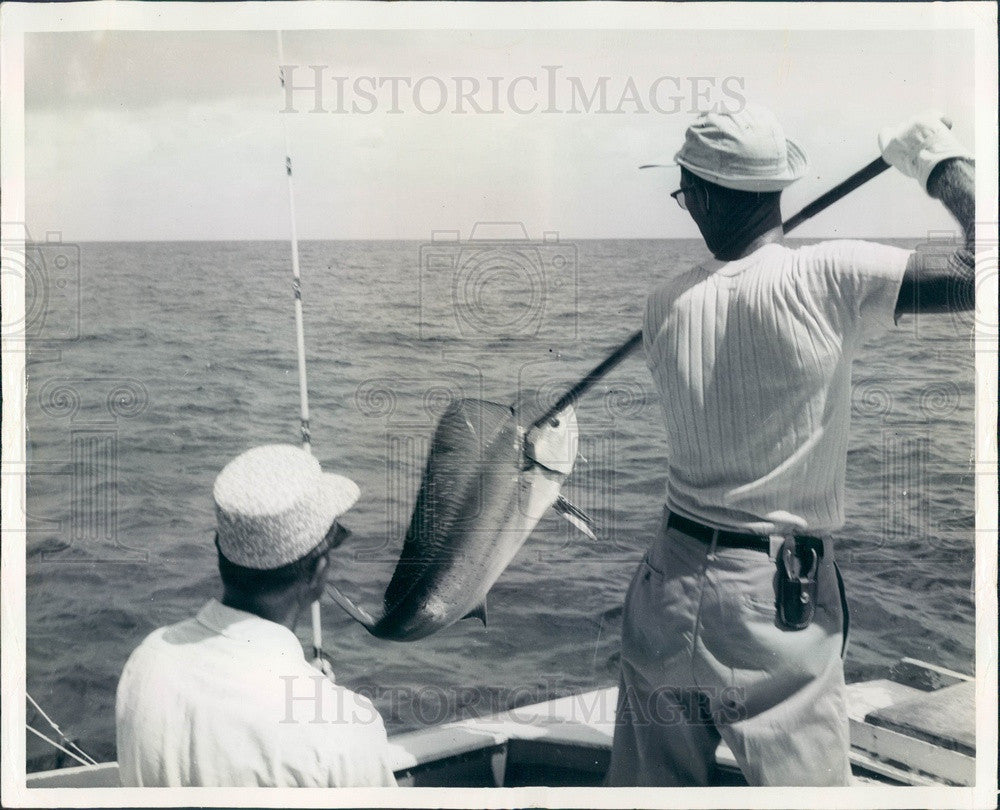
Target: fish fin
point(360, 615)
point(576, 516)
point(478, 612)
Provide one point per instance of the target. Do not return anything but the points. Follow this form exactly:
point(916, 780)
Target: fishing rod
point(859, 178)
point(300, 339)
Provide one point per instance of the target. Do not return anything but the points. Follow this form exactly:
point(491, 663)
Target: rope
point(54, 743)
point(60, 732)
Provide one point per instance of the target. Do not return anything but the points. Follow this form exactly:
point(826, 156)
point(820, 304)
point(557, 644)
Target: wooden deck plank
point(907, 752)
point(945, 717)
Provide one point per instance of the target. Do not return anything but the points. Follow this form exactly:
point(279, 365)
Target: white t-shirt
point(228, 699)
point(752, 359)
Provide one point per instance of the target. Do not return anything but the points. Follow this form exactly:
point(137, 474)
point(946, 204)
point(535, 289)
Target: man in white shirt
point(227, 698)
point(735, 622)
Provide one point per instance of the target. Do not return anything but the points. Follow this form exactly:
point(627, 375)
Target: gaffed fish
point(487, 482)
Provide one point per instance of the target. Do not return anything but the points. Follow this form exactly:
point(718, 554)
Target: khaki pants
point(702, 658)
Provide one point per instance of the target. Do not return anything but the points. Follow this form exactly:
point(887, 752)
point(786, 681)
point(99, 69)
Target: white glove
point(916, 146)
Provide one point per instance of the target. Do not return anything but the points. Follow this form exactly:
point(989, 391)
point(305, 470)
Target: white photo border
point(21, 18)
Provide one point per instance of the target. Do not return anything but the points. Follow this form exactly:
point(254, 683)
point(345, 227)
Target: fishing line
point(59, 731)
point(53, 743)
point(859, 178)
point(300, 340)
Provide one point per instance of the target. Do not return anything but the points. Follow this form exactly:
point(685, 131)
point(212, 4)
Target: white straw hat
point(745, 150)
point(274, 504)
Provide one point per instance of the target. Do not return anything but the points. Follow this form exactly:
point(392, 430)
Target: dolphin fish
point(487, 483)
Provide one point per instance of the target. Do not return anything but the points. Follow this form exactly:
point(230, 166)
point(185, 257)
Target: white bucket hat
point(745, 150)
point(274, 504)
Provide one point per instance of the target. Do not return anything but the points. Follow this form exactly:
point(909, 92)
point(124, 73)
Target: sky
point(137, 135)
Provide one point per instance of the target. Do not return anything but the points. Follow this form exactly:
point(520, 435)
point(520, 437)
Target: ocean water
point(167, 359)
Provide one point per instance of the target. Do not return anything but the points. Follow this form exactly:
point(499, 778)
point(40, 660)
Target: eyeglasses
point(679, 198)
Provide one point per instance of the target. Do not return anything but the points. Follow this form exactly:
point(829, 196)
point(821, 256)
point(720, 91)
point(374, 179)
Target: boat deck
point(916, 729)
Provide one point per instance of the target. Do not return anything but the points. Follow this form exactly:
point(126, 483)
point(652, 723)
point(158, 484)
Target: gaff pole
point(300, 339)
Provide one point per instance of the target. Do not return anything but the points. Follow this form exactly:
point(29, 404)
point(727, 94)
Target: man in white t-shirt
point(227, 698)
point(735, 622)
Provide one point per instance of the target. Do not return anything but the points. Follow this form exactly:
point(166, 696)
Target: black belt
point(755, 542)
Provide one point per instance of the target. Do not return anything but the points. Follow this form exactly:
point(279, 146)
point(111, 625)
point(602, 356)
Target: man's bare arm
point(935, 283)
